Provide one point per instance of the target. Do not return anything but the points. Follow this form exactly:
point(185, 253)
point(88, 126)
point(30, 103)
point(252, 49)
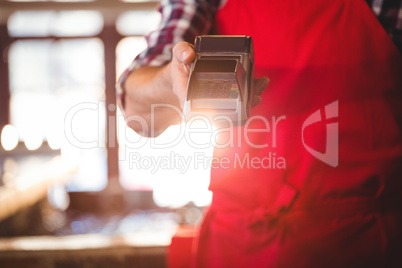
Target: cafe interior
point(78, 188)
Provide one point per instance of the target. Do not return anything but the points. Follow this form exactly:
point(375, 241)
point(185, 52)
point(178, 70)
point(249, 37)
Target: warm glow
point(33, 141)
point(191, 185)
point(54, 142)
point(70, 155)
point(9, 137)
point(175, 165)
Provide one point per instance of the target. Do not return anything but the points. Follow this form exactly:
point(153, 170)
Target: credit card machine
point(219, 85)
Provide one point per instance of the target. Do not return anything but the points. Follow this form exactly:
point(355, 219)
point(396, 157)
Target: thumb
point(183, 56)
point(183, 52)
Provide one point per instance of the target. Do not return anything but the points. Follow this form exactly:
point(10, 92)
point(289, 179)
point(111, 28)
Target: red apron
point(318, 185)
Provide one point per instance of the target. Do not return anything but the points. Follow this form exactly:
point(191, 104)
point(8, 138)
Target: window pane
point(51, 0)
point(30, 23)
point(73, 0)
point(77, 23)
point(134, 1)
point(48, 23)
point(127, 49)
point(173, 165)
point(57, 94)
point(27, 0)
point(138, 22)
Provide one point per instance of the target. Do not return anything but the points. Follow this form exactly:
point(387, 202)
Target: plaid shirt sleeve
point(183, 20)
point(389, 13)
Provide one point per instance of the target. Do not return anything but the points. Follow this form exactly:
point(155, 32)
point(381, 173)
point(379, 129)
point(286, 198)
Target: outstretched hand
point(166, 85)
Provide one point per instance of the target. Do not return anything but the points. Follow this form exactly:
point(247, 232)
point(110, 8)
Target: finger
point(183, 55)
point(255, 100)
point(183, 52)
point(260, 85)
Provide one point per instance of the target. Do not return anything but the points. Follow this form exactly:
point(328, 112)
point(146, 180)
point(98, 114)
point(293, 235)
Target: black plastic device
point(219, 85)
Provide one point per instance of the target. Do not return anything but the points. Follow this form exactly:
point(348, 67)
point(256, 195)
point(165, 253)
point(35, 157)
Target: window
point(50, 78)
point(55, 23)
point(63, 60)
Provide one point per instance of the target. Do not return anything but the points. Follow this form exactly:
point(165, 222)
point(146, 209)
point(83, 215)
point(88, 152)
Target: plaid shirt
point(183, 20)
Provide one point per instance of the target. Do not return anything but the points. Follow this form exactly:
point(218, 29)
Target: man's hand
point(167, 87)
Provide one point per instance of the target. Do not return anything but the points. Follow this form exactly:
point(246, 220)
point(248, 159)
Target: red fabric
point(316, 53)
point(180, 249)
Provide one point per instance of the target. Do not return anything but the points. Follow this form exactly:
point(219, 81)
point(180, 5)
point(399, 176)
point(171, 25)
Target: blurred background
point(69, 167)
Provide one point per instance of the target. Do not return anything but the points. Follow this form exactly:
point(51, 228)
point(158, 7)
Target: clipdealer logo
point(328, 115)
point(331, 154)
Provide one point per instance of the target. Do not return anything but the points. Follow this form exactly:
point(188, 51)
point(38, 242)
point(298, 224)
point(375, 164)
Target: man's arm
point(389, 13)
point(148, 80)
point(159, 75)
point(163, 86)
